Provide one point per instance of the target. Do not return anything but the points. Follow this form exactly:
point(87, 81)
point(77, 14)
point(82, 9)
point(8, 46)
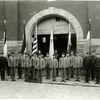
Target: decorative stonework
point(52, 11)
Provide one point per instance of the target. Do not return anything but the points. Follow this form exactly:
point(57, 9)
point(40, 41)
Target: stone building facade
point(33, 12)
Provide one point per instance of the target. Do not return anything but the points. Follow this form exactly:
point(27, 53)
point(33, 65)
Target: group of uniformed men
point(36, 66)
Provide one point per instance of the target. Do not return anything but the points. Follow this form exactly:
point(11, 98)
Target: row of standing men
point(33, 68)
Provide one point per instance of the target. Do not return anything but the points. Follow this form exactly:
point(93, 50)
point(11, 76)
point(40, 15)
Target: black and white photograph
point(50, 49)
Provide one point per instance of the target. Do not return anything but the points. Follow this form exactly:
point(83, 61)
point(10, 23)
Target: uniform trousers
point(57, 71)
point(2, 73)
point(97, 75)
point(92, 72)
point(39, 75)
point(12, 73)
point(77, 73)
point(26, 73)
point(8, 70)
point(87, 75)
point(67, 71)
point(54, 73)
point(19, 72)
point(72, 71)
point(48, 71)
point(33, 72)
point(62, 74)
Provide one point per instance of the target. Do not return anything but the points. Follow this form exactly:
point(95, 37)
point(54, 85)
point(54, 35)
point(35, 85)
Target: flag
point(51, 48)
point(5, 44)
point(88, 35)
point(34, 44)
point(69, 38)
point(24, 42)
point(89, 32)
point(88, 38)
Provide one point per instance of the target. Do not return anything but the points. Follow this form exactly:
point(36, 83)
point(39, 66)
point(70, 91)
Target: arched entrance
point(60, 28)
point(51, 11)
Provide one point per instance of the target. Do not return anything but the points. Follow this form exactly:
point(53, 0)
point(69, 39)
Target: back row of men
point(35, 67)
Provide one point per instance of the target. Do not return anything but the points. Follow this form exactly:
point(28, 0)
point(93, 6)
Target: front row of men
point(35, 67)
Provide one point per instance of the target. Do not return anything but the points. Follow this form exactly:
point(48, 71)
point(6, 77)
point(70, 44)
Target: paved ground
point(71, 82)
point(26, 90)
point(50, 90)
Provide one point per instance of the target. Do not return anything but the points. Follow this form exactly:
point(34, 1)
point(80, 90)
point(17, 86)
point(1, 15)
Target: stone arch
point(52, 11)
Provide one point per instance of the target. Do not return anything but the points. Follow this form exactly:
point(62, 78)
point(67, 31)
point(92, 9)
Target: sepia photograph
point(50, 49)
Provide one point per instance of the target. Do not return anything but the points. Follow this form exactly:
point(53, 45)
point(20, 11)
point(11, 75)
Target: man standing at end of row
point(3, 63)
point(87, 67)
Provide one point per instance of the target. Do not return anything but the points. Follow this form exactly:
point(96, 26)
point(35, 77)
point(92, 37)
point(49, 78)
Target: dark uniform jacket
point(93, 61)
point(97, 62)
point(3, 63)
point(19, 61)
point(87, 62)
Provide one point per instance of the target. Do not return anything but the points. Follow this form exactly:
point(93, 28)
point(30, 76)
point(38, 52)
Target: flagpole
point(51, 46)
point(25, 37)
point(89, 26)
point(24, 40)
point(69, 38)
point(36, 35)
point(5, 42)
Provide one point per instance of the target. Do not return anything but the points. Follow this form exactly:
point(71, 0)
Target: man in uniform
point(19, 65)
point(86, 65)
point(57, 69)
point(8, 67)
point(33, 65)
point(77, 65)
point(97, 69)
point(72, 57)
point(43, 68)
point(93, 65)
point(62, 67)
point(54, 66)
point(40, 65)
point(26, 65)
point(13, 65)
point(47, 65)
point(3, 63)
point(67, 66)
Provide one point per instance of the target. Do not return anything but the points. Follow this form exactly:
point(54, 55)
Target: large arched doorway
point(52, 12)
point(60, 34)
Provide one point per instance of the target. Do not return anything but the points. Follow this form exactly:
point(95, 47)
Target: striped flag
point(5, 42)
point(24, 42)
point(34, 44)
point(51, 48)
point(69, 39)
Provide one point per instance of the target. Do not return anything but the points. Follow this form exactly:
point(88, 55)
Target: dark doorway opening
point(60, 43)
point(43, 43)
